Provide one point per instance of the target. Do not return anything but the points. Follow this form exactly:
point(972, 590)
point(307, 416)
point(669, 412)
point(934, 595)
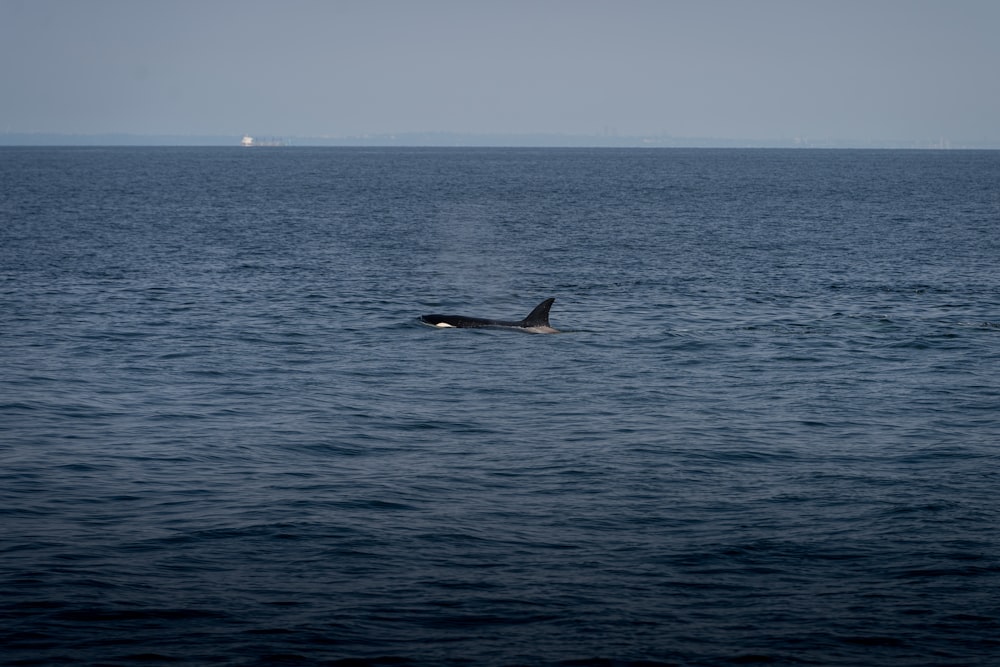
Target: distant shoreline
point(448, 139)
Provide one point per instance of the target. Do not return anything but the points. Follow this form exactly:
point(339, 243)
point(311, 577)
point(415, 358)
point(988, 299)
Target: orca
point(536, 322)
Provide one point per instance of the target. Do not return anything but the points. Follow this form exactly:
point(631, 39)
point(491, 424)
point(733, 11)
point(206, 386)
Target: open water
point(770, 432)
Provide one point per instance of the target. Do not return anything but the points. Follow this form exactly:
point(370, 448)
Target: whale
point(537, 321)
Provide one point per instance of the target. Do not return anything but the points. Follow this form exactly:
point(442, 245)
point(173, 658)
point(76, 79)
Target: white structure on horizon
point(247, 140)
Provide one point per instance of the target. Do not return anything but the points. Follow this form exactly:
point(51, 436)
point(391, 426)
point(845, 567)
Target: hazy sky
point(754, 69)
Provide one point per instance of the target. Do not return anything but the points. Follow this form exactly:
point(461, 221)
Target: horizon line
point(444, 139)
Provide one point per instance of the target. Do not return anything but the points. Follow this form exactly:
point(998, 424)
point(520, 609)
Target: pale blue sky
point(867, 70)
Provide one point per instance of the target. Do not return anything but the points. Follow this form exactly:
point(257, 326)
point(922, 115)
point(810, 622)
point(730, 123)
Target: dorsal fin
point(539, 317)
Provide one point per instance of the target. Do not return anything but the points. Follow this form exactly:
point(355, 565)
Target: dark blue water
point(769, 434)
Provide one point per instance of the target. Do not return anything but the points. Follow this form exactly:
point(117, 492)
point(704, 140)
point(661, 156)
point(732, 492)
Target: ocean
point(768, 431)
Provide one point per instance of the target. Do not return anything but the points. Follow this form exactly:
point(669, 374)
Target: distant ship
point(250, 141)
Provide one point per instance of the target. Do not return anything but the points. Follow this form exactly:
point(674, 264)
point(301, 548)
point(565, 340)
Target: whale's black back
point(537, 318)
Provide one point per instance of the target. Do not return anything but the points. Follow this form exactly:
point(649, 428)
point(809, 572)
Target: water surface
point(768, 433)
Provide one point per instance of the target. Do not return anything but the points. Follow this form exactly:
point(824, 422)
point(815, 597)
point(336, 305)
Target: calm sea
point(769, 432)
